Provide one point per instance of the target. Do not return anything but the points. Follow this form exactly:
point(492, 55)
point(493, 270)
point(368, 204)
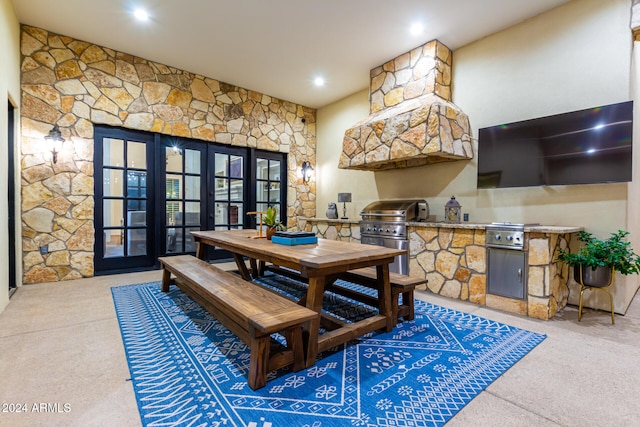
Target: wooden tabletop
point(326, 256)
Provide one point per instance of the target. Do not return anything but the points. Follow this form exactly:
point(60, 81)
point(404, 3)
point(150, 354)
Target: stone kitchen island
point(453, 257)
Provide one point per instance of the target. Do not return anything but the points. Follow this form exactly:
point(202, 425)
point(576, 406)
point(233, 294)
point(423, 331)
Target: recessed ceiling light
point(140, 14)
point(318, 81)
point(417, 29)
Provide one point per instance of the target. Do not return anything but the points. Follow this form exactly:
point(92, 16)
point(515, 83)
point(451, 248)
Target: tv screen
point(582, 147)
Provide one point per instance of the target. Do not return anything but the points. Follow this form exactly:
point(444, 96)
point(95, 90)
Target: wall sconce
point(55, 141)
point(344, 198)
point(307, 170)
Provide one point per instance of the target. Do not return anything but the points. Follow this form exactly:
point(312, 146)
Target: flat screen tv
point(582, 147)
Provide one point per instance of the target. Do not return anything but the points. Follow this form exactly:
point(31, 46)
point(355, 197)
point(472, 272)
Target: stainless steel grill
point(505, 235)
point(384, 223)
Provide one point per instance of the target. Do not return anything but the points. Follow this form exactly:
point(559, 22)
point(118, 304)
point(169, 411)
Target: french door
point(175, 186)
point(206, 189)
point(125, 196)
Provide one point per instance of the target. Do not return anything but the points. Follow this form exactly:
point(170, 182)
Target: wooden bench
point(401, 285)
point(252, 313)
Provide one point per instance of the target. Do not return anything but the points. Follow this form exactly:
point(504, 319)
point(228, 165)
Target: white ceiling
point(278, 47)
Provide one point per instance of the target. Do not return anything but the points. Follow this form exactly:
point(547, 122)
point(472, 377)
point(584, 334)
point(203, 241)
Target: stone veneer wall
point(453, 260)
point(547, 279)
point(413, 120)
point(331, 230)
point(76, 84)
point(421, 71)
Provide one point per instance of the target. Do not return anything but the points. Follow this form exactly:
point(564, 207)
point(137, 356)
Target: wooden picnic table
point(321, 263)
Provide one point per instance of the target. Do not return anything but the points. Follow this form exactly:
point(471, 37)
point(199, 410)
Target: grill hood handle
point(379, 214)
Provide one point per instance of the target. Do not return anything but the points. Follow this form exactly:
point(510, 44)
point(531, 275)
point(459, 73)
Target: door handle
point(520, 274)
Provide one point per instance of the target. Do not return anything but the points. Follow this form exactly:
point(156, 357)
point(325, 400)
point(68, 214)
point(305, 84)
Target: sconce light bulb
point(306, 170)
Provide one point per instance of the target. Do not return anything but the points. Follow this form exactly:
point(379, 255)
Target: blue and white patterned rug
point(188, 370)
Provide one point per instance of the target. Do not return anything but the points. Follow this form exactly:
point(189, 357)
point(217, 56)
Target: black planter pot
point(597, 278)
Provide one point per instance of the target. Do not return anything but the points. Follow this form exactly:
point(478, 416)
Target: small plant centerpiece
point(272, 223)
point(598, 259)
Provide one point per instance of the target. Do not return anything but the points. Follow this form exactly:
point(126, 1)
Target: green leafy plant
point(271, 219)
point(613, 252)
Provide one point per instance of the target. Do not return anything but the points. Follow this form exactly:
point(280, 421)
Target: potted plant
point(272, 223)
point(598, 259)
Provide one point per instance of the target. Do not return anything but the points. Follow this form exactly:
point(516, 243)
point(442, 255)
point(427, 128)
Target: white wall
point(9, 90)
point(332, 121)
point(573, 57)
point(554, 63)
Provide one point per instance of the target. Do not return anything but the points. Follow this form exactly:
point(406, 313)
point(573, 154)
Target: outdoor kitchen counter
point(552, 229)
point(453, 258)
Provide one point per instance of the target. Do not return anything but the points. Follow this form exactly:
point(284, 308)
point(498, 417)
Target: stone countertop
point(553, 229)
point(342, 221)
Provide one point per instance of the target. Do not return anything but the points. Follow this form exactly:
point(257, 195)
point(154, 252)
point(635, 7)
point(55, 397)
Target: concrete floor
point(62, 363)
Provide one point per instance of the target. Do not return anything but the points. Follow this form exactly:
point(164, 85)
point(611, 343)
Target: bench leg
point(296, 345)
point(395, 303)
point(166, 280)
point(407, 299)
point(259, 362)
point(384, 296)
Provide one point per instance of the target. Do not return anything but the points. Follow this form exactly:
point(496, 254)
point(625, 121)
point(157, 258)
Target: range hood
point(413, 121)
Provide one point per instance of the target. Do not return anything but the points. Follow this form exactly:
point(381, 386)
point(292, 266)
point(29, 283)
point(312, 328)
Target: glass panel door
point(268, 186)
point(229, 191)
point(184, 188)
point(123, 236)
point(205, 189)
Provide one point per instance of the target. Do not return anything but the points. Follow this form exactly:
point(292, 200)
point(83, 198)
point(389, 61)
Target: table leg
point(314, 302)
point(166, 280)
point(254, 268)
point(384, 295)
point(201, 250)
point(242, 267)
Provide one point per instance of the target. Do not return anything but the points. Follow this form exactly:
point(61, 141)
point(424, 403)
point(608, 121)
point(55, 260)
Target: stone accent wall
point(422, 71)
point(331, 229)
point(76, 84)
point(453, 260)
point(413, 120)
point(548, 279)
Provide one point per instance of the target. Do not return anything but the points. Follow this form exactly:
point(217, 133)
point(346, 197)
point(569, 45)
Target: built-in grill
point(505, 235)
point(506, 260)
point(384, 223)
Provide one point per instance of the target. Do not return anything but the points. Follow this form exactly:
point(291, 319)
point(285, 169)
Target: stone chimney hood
point(413, 121)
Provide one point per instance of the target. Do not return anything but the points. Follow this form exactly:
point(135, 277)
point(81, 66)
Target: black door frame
point(111, 265)
point(160, 183)
point(156, 197)
point(254, 154)
point(11, 196)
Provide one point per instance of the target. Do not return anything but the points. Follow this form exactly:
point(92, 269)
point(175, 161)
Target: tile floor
point(62, 361)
